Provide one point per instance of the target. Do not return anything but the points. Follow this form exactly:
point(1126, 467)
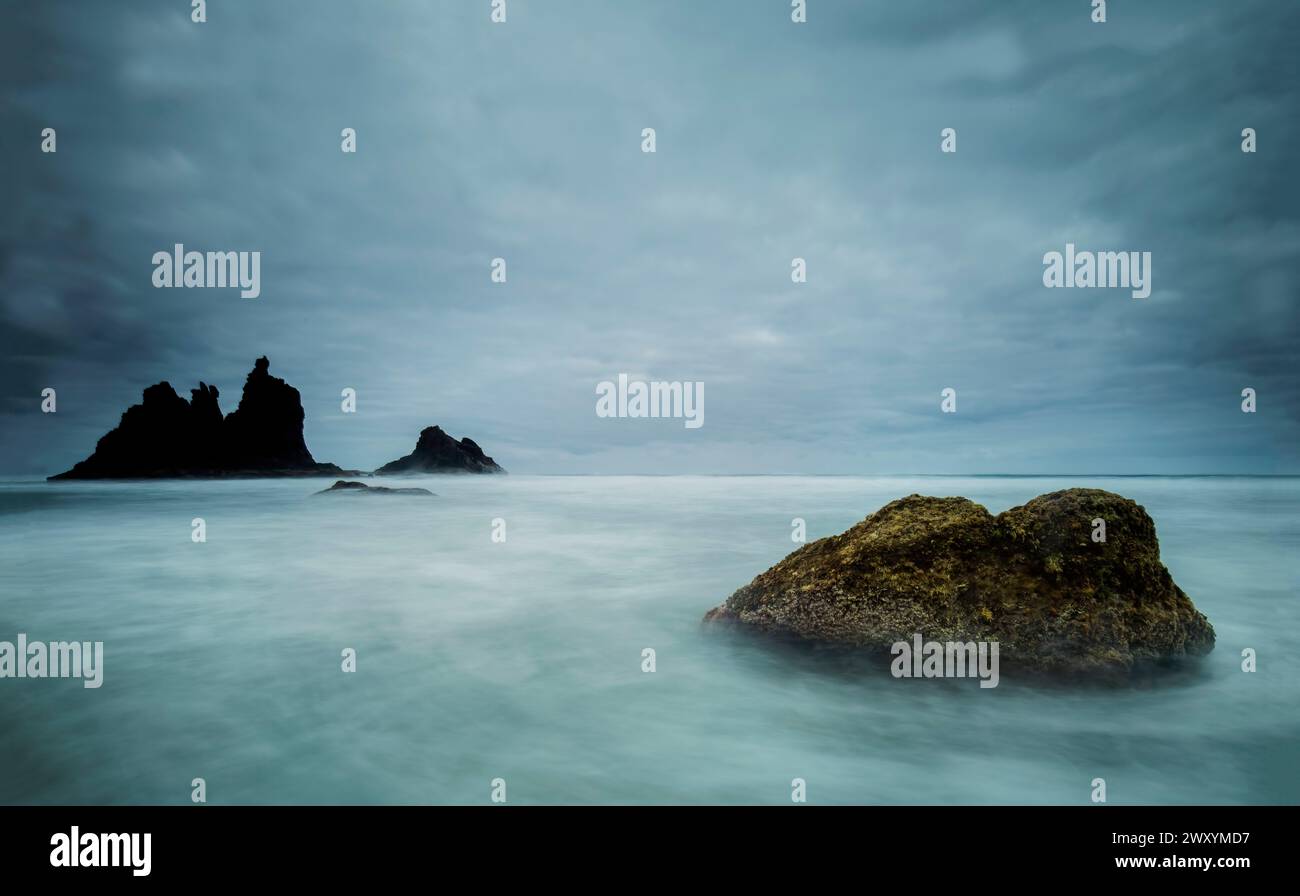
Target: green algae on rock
point(1032, 578)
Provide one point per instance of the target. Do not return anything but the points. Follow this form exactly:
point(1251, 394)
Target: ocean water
point(522, 660)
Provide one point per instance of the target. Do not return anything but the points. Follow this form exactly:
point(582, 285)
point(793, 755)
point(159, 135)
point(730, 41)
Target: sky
point(774, 141)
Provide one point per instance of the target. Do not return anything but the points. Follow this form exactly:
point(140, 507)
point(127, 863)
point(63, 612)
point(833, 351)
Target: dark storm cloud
point(775, 141)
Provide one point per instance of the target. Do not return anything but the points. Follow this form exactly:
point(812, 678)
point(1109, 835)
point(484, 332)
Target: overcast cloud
point(775, 140)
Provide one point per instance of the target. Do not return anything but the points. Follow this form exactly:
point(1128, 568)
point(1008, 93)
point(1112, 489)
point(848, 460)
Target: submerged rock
point(437, 452)
point(342, 487)
point(167, 436)
point(1032, 578)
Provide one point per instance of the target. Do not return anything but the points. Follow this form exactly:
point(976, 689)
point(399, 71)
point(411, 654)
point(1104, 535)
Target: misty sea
point(522, 660)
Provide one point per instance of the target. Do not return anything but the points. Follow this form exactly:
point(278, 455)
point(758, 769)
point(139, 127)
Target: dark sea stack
point(156, 435)
point(166, 436)
point(437, 452)
point(265, 431)
point(343, 487)
point(1032, 579)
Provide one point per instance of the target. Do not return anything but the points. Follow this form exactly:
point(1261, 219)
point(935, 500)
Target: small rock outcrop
point(343, 487)
point(437, 452)
point(1032, 578)
point(167, 436)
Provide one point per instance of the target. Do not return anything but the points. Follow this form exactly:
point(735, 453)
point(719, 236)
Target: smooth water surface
point(522, 660)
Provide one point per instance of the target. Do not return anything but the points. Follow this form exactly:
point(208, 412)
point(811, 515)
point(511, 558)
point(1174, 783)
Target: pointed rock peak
point(205, 392)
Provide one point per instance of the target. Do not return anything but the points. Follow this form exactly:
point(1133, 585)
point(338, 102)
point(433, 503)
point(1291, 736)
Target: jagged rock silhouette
point(167, 436)
point(437, 452)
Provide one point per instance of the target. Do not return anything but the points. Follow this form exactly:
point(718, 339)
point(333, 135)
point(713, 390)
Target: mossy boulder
point(1033, 579)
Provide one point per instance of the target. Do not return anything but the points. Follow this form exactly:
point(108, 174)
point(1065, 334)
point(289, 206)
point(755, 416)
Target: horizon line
point(36, 477)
